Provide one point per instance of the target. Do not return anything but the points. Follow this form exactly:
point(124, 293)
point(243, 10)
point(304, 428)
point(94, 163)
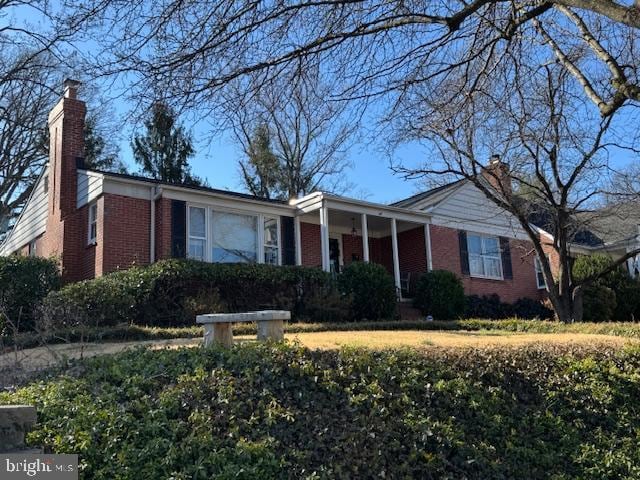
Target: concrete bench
point(217, 326)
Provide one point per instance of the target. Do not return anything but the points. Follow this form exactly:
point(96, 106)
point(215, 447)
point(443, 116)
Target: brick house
point(97, 222)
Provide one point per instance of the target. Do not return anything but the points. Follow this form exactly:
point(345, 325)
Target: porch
point(332, 232)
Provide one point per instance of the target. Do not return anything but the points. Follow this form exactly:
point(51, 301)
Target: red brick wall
point(163, 229)
point(311, 248)
point(446, 256)
point(126, 224)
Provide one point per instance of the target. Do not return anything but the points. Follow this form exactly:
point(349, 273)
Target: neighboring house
point(98, 222)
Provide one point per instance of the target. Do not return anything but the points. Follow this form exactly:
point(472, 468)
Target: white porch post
point(427, 241)
point(365, 238)
point(396, 260)
point(324, 238)
point(296, 228)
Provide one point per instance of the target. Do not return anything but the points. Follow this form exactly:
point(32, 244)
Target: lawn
point(36, 358)
point(543, 410)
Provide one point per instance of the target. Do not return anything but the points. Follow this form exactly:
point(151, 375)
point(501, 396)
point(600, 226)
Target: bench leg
point(271, 330)
point(219, 333)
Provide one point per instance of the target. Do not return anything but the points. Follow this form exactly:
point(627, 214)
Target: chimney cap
point(70, 87)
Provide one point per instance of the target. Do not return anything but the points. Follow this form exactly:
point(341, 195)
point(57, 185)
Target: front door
point(334, 255)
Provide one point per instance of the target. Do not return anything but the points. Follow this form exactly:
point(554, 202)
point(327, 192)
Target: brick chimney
point(66, 151)
point(498, 175)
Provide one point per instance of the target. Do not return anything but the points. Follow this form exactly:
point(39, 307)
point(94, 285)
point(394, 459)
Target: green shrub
point(625, 288)
point(487, 306)
point(530, 309)
point(599, 303)
point(274, 411)
point(491, 307)
point(172, 292)
point(440, 293)
point(372, 291)
point(24, 282)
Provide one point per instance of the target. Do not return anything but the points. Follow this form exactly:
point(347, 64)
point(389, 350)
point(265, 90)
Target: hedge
point(173, 292)
point(24, 282)
point(371, 290)
point(273, 411)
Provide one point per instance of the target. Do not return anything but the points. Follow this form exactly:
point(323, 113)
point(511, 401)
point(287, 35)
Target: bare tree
point(24, 105)
point(557, 149)
point(294, 137)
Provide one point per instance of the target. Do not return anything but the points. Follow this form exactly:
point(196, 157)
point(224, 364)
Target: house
point(98, 222)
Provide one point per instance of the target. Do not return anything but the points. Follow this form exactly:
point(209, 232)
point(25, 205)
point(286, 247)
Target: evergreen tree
point(98, 155)
point(261, 170)
point(164, 150)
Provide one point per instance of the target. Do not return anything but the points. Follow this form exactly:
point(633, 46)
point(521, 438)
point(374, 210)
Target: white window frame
point(499, 257)
point(538, 270)
point(92, 238)
point(206, 231)
point(33, 248)
point(260, 219)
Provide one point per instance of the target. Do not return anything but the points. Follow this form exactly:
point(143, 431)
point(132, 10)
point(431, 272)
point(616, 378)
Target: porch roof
point(317, 200)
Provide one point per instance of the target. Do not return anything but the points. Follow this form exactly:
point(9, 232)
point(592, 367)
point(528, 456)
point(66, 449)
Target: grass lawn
point(424, 339)
point(37, 358)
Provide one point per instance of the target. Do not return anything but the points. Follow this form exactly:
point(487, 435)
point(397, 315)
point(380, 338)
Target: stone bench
point(217, 326)
point(15, 422)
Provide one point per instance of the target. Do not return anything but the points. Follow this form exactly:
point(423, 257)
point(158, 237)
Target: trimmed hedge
point(491, 307)
point(371, 291)
point(24, 282)
point(440, 293)
point(173, 292)
point(273, 411)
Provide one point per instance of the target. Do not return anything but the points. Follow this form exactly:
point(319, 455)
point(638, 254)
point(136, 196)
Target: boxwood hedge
point(172, 292)
point(276, 411)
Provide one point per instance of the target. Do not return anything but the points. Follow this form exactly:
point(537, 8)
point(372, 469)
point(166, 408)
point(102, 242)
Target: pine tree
point(98, 155)
point(163, 152)
point(261, 170)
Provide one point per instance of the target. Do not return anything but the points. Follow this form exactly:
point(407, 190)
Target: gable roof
point(419, 197)
point(139, 178)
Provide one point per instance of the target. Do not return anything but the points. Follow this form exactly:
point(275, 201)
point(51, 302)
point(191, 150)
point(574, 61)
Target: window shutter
point(178, 229)
point(507, 270)
point(288, 241)
point(464, 252)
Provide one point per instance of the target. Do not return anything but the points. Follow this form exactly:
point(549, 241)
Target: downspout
point(427, 238)
point(156, 193)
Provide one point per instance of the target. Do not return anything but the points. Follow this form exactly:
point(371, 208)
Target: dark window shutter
point(178, 229)
point(507, 270)
point(288, 235)
point(464, 252)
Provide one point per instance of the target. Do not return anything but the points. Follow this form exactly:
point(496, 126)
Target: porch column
point(365, 238)
point(427, 246)
point(396, 260)
point(324, 238)
point(296, 228)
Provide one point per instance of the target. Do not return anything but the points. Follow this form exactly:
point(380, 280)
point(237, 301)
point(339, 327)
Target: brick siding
point(446, 256)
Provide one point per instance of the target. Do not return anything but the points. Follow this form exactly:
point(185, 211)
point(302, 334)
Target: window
point(197, 233)
point(271, 243)
point(484, 256)
point(45, 184)
point(33, 248)
point(93, 223)
point(539, 274)
point(234, 237)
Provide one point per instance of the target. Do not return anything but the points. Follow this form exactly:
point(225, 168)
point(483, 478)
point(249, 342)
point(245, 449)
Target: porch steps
point(407, 311)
